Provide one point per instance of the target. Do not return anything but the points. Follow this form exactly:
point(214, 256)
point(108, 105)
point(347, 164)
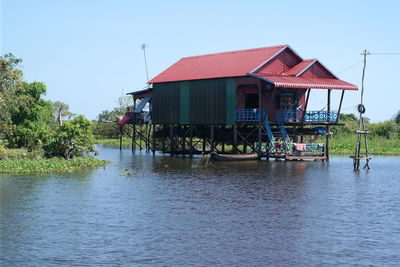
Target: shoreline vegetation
point(48, 165)
point(22, 161)
point(339, 145)
point(38, 135)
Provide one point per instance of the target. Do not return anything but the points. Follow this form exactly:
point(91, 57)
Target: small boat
point(233, 157)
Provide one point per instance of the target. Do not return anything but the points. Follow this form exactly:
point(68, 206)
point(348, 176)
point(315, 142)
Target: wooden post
point(235, 138)
point(212, 137)
point(183, 140)
point(153, 139)
point(304, 114)
point(171, 139)
point(133, 145)
point(120, 138)
point(259, 122)
point(163, 146)
point(340, 106)
point(328, 127)
point(204, 145)
point(140, 131)
point(191, 141)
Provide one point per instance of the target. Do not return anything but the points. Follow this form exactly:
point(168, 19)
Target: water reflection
point(168, 211)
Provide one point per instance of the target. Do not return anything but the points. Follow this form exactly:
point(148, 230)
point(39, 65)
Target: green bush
point(387, 129)
point(105, 130)
point(72, 139)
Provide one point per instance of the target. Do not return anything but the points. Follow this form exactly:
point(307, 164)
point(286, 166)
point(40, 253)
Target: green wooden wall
point(211, 101)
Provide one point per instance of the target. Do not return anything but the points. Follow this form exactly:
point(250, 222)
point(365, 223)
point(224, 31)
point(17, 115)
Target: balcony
point(309, 116)
point(251, 115)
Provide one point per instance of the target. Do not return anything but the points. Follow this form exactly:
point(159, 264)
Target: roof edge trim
point(271, 58)
point(260, 77)
point(334, 75)
point(306, 68)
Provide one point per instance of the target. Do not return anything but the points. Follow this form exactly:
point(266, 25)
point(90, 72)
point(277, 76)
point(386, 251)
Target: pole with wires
point(362, 131)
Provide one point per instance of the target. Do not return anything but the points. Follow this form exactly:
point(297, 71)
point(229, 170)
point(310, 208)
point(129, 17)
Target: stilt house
point(246, 101)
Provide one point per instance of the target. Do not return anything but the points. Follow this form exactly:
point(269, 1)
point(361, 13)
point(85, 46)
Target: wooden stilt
point(259, 146)
point(171, 139)
point(140, 137)
point(212, 137)
point(120, 137)
point(235, 138)
point(133, 145)
point(304, 115)
point(328, 128)
point(153, 137)
point(191, 141)
point(340, 106)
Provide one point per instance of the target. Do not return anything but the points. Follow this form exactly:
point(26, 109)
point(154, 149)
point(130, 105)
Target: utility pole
point(362, 131)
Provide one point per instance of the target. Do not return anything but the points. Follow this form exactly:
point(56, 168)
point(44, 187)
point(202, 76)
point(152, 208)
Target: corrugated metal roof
point(306, 82)
point(219, 65)
point(300, 67)
point(279, 65)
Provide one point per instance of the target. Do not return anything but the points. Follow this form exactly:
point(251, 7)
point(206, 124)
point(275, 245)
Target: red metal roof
point(306, 82)
point(300, 67)
point(279, 65)
point(227, 64)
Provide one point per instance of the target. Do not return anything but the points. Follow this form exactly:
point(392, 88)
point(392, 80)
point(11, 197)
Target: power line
point(385, 54)
point(349, 67)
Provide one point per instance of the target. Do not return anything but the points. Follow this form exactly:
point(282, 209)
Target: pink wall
point(270, 98)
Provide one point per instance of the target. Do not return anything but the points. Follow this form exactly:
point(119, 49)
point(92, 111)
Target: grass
point(53, 165)
point(377, 145)
point(24, 161)
point(125, 141)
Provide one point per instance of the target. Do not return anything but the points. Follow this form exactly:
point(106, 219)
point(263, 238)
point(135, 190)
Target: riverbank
point(22, 161)
point(339, 145)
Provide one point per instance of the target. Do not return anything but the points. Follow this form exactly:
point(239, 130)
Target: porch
point(289, 116)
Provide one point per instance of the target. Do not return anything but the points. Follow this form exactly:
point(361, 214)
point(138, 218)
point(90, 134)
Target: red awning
point(306, 83)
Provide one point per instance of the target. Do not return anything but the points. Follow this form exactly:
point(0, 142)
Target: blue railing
point(317, 116)
point(247, 115)
point(253, 115)
point(309, 116)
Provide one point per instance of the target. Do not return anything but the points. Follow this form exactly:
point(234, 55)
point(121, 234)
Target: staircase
point(271, 139)
point(284, 134)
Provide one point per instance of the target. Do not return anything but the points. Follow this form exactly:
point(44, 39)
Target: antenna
point(144, 46)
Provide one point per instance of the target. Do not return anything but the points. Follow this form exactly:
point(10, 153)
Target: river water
point(166, 211)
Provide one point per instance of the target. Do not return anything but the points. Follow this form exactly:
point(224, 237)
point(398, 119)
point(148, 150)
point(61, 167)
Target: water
point(166, 212)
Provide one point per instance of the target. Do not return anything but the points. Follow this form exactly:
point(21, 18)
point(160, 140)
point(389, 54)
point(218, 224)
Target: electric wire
point(351, 66)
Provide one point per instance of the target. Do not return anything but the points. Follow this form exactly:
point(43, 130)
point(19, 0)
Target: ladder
point(271, 139)
point(284, 134)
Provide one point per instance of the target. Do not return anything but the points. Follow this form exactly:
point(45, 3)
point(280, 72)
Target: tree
point(73, 139)
point(10, 74)
point(397, 117)
point(61, 111)
point(10, 80)
point(31, 116)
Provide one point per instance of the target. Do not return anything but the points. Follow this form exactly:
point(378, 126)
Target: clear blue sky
point(88, 51)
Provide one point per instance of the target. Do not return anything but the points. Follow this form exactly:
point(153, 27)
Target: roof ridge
point(237, 51)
